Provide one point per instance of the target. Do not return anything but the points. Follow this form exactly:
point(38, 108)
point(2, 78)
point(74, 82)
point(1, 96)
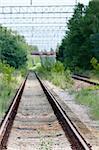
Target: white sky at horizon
point(41, 42)
point(40, 2)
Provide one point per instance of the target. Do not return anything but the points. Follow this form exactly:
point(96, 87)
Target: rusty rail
point(74, 136)
point(7, 122)
point(85, 79)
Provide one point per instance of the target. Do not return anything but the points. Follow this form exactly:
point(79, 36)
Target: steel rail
point(9, 117)
point(85, 79)
point(76, 133)
point(80, 75)
point(7, 122)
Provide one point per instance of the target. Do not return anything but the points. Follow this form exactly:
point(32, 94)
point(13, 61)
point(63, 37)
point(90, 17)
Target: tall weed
point(57, 75)
point(8, 84)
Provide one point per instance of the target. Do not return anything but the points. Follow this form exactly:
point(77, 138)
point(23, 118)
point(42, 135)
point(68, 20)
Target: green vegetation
point(13, 64)
point(56, 74)
point(32, 48)
point(47, 62)
point(9, 80)
point(13, 48)
point(81, 42)
point(90, 98)
point(95, 64)
point(13, 59)
point(32, 60)
point(93, 73)
point(79, 50)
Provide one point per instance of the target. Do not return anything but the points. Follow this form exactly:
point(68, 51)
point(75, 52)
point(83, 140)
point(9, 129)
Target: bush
point(23, 71)
point(6, 73)
point(58, 67)
point(9, 80)
point(95, 64)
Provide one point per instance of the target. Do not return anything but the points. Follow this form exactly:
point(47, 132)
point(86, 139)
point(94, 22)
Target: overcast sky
point(41, 2)
point(39, 38)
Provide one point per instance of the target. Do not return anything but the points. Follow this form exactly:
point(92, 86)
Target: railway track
point(6, 124)
point(85, 79)
point(17, 120)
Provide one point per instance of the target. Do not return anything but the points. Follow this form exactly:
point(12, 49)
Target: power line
point(30, 2)
point(36, 23)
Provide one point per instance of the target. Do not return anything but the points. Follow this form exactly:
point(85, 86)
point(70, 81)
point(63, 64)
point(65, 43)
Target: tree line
point(13, 48)
point(81, 41)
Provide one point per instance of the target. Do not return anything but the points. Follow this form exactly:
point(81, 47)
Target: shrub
point(95, 64)
point(6, 72)
point(9, 80)
point(58, 67)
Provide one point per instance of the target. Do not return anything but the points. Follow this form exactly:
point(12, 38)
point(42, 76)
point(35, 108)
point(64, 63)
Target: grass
point(7, 92)
point(5, 97)
point(61, 80)
point(86, 96)
point(90, 97)
point(57, 75)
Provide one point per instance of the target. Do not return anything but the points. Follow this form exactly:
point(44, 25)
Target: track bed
point(36, 126)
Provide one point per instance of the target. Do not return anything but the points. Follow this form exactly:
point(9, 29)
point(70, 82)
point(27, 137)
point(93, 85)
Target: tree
point(60, 51)
point(13, 48)
point(78, 45)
